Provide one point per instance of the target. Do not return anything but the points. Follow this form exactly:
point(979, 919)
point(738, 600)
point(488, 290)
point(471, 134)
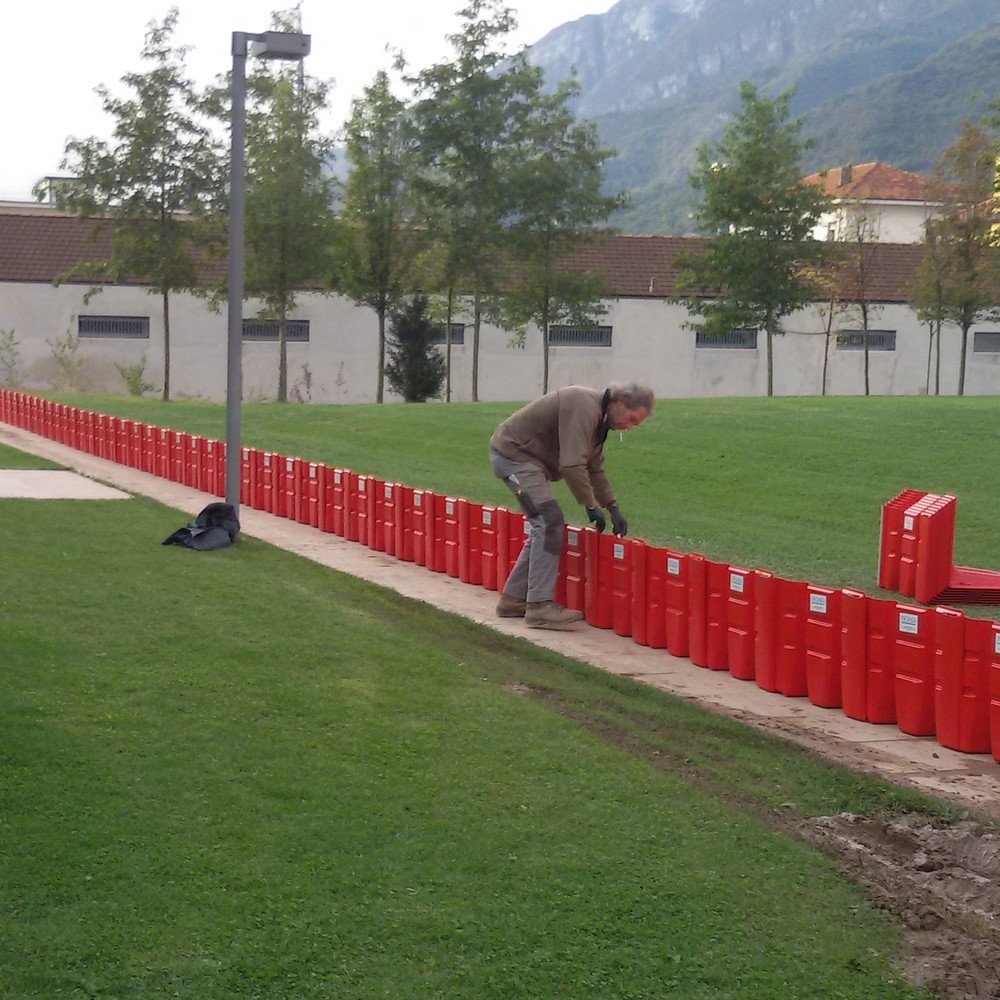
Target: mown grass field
point(240, 774)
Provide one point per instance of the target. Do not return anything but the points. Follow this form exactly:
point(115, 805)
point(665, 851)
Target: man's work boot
point(548, 614)
point(510, 607)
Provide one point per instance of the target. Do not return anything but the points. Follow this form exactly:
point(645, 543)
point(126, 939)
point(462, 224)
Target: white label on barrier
point(909, 623)
point(817, 604)
point(673, 566)
point(996, 643)
point(736, 582)
point(267, 461)
point(908, 523)
point(487, 517)
point(618, 552)
point(449, 507)
point(289, 465)
point(418, 499)
point(336, 477)
point(313, 472)
point(573, 537)
point(388, 491)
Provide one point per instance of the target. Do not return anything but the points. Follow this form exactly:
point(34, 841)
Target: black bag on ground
point(214, 528)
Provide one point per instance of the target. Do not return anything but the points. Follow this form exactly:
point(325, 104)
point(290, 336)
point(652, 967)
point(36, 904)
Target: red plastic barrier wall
point(914, 670)
point(512, 530)
point(697, 609)
point(716, 615)
point(488, 542)
point(908, 545)
point(963, 651)
point(597, 608)
point(622, 559)
point(571, 584)
point(422, 520)
point(822, 647)
point(740, 630)
point(649, 590)
point(867, 681)
point(446, 537)
point(676, 603)
point(333, 518)
point(470, 544)
point(994, 685)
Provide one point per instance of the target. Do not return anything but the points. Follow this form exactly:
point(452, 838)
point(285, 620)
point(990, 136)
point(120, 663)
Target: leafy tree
point(860, 238)
point(289, 194)
point(380, 241)
point(558, 201)
point(154, 183)
point(416, 369)
point(760, 216)
point(960, 277)
point(469, 114)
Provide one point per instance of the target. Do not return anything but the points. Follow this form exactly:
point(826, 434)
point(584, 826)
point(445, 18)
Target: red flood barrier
point(291, 487)
point(313, 487)
point(423, 528)
point(597, 608)
point(488, 546)
point(780, 622)
point(333, 518)
point(403, 526)
point(868, 633)
point(740, 629)
point(571, 584)
point(470, 545)
point(386, 514)
point(676, 603)
point(512, 530)
point(822, 636)
point(622, 552)
point(963, 652)
point(716, 615)
point(249, 469)
point(649, 589)
point(446, 535)
point(697, 612)
point(994, 690)
point(914, 670)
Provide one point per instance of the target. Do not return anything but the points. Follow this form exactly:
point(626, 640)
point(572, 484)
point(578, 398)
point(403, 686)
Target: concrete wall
point(337, 365)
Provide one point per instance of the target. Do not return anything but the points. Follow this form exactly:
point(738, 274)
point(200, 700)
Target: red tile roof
point(39, 247)
point(872, 182)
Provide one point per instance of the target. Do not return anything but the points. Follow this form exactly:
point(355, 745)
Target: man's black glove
point(618, 523)
point(597, 516)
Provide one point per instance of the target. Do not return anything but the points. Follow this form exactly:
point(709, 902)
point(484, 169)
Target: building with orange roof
point(892, 205)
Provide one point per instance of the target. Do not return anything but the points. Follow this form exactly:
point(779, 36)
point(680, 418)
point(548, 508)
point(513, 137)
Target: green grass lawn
point(794, 485)
point(241, 774)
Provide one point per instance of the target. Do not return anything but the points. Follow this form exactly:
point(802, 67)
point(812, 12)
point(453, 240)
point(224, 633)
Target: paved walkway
point(920, 762)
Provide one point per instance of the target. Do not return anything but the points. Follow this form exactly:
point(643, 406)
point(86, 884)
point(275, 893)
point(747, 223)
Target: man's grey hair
point(633, 395)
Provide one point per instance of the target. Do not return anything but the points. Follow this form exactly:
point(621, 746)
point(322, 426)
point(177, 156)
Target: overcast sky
point(56, 52)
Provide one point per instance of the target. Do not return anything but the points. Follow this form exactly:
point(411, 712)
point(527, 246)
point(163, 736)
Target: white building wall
point(650, 342)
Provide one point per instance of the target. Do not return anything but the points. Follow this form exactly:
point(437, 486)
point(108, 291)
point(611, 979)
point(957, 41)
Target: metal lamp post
point(269, 45)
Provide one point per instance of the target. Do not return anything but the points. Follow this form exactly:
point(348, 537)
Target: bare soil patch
point(942, 882)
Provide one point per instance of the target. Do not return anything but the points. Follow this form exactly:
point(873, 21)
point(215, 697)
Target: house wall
point(650, 342)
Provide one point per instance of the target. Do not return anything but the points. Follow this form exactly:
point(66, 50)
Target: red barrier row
point(931, 672)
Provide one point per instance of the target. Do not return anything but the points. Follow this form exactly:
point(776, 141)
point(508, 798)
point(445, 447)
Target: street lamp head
point(280, 45)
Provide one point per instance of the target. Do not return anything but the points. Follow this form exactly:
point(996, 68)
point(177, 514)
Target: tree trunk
point(283, 357)
point(166, 346)
point(380, 375)
point(965, 351)
point(937, 362)
point(447, 347)
point(477, 318)
point(770, 360)
point(545, 346)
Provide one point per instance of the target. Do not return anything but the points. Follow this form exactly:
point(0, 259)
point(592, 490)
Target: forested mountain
point(882, 80)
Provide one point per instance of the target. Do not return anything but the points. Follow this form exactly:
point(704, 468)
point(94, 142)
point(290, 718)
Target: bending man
point(560, 436)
